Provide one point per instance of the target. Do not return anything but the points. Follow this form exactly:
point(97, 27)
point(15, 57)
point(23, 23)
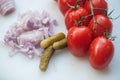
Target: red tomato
point(98, 5)
point(63, 4)
point(73, 16)
point(78, 40)
point(103, 24)
point(101, 52)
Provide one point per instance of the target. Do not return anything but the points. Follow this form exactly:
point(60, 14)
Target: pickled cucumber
point(45, 58)
point(49, 41)
point(60, 44)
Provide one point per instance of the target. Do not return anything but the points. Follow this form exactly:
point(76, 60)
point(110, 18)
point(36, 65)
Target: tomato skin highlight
point(104, 24)
point(78, 40)
point(63, 4)
point(73, 16)
point(96, 4)
point(101, 52)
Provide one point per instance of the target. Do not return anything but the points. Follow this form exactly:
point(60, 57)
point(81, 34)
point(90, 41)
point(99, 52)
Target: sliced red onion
point(28, 31)
point(7, 7)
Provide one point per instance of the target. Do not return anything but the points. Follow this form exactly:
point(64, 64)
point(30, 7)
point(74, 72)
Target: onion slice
point(28, 31)
point(7, 7)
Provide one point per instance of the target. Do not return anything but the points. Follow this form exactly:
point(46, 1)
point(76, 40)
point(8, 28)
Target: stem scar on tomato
point(76, 4)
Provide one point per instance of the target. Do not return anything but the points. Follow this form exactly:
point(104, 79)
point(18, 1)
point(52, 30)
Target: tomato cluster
point(89, 30)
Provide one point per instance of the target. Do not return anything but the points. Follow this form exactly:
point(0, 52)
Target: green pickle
point(49, 41)
point(60, 44)
point(45, 58)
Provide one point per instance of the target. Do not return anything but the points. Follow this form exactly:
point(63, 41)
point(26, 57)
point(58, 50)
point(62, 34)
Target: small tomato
point(101, 52)
point(64, 5)
point(99, 25)
point(78, 40)
point(74, 16)
point(99, 6)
